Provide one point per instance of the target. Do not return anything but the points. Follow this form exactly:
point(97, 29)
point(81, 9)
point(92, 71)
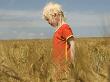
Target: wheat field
point(30, 60)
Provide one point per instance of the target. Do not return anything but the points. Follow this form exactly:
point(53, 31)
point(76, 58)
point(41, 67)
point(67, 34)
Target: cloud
point(20, 18)
point(1, 33)
point(14, 32)
point(19, 24)
point(20, 13)
point(86, 19)
point(42, 34)
point(25, 35)
point(17, 18)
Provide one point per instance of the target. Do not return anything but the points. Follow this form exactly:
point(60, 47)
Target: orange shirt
point(61, 49)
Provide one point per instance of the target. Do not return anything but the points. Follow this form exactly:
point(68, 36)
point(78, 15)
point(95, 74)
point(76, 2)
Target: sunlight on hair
point(50, 9)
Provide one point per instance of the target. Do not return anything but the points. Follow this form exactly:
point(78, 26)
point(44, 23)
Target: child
point(63, 40)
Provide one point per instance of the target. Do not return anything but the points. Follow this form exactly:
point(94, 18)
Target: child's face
point(53, 21)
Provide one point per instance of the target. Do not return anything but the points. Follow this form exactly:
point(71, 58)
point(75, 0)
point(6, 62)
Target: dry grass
point(92, 59)
point(30, 60)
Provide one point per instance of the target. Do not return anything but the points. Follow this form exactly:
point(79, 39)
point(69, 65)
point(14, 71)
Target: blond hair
point(51, 9)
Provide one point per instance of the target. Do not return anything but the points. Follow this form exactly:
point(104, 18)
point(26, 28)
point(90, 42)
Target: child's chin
point(53, 26)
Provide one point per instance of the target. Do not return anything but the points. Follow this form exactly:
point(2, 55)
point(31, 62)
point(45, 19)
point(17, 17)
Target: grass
point(30, 60)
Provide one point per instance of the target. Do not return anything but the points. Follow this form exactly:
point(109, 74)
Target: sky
point(22, 19)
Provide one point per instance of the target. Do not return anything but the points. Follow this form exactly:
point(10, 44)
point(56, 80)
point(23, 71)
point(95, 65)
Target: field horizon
point(51, 38)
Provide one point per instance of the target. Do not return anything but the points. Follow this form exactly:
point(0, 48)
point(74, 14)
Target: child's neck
point(60, 24)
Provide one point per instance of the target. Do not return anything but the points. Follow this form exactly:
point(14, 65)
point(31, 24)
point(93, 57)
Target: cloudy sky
point(22, 19)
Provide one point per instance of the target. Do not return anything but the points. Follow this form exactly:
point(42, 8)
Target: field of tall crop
point(30, 60)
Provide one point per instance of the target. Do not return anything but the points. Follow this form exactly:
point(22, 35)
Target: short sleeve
point(67, 32)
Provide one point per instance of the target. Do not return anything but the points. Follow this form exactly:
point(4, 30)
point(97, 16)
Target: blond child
point(63, 40)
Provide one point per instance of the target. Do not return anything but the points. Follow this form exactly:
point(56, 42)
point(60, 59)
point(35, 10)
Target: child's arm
point(72, 47)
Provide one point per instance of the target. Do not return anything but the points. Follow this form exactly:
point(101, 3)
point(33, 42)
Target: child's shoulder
point(65, 26)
